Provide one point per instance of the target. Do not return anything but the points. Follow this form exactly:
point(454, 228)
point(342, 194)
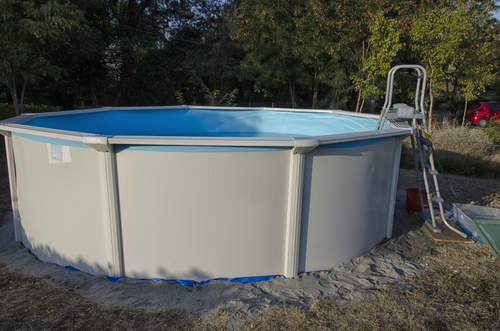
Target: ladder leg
point(417, 177)
point(416, 118)
point(438, 196)
point(421, 151)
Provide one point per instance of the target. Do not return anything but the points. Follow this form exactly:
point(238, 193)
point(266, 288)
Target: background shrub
point(493, 132)
point(461, 150)
point(7, 110)
point(466, 140)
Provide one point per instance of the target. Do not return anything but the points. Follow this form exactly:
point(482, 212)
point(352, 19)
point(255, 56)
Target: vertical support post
point(11, 167)
point(116, 268)
point(115, 257)
point(394, 186)
point(294, 213)
point(293, 219)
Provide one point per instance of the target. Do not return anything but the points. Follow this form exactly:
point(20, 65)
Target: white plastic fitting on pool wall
point(99, 143)
point(302, 146)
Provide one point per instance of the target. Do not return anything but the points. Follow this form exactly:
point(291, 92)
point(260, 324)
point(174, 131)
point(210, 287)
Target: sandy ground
point(388, 263)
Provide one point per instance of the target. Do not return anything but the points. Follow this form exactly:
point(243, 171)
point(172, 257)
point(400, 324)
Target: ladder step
point(426, 142)
point(436, 199)
point(431, 171)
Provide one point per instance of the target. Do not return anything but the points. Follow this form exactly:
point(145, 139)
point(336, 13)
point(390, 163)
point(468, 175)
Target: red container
point(413, 201)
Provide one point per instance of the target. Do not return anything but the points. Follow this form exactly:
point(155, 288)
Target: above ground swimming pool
point(200, 193)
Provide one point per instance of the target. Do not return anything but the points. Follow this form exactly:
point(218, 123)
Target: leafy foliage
point(266, 31)
point(385, 44)
point(448, 36)
point(29, 29)
point(307, 53)
point(213, 99)
point(7, 110)
point(493, 132)
point(179, 98)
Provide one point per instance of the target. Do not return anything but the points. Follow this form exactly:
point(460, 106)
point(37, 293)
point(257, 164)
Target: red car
point(482, 112)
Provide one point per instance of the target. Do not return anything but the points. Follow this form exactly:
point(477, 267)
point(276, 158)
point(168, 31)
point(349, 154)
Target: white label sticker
point(58, 154)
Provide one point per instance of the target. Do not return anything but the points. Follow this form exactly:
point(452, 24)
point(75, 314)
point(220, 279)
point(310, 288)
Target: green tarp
point(489, 231)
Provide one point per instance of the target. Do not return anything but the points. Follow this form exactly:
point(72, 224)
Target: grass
point(466, 140)
point(29, 303)
point(465, 165)
point(462, 150)
point(454, 293)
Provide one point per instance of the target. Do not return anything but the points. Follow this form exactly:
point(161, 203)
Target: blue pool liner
point(190, 283)
point(207, 123)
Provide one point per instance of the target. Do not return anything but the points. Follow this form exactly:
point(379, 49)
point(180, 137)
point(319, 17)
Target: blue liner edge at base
point(476, 239)
point(187, 282)
point(190, 283)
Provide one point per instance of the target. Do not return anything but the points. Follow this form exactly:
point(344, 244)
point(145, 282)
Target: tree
point(316, 41)
point(85, 78)
point(473, 82)
point(29, 29)
point(177, 66)
point(385, 44)
point(266, 31)
point(171, 46)
point(137, 29)
point(292, 44)
point(475, 71)
point(446, 35)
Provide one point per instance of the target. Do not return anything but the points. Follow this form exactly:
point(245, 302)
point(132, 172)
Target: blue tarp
point(477, 239)
point(187, 282)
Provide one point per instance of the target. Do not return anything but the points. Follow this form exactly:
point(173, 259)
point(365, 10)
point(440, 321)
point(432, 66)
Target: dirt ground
point(459, 189)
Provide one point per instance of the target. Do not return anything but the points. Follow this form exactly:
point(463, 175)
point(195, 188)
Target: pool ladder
point(420, 140)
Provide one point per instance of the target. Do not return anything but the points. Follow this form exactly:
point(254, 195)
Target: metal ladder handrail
point(390, 87)
point(421, 139)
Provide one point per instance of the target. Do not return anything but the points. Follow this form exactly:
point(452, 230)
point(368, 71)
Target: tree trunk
point(362, 104)
point(93, 92)
point(291, 85)
point(315, 96)
point(13, 93)
point(454, 94)
point(334, 98)
point(134, 14)
point(359, 99)
point(465, 112)
point(455, 90)
point(315, 91)
point(431, 105)
point(21, 106)
point(127, 72)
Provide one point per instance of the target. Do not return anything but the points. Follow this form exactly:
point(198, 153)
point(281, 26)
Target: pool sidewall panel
point(345, 203)
point(60, 205)
point(168, 212)
point(205, 215)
